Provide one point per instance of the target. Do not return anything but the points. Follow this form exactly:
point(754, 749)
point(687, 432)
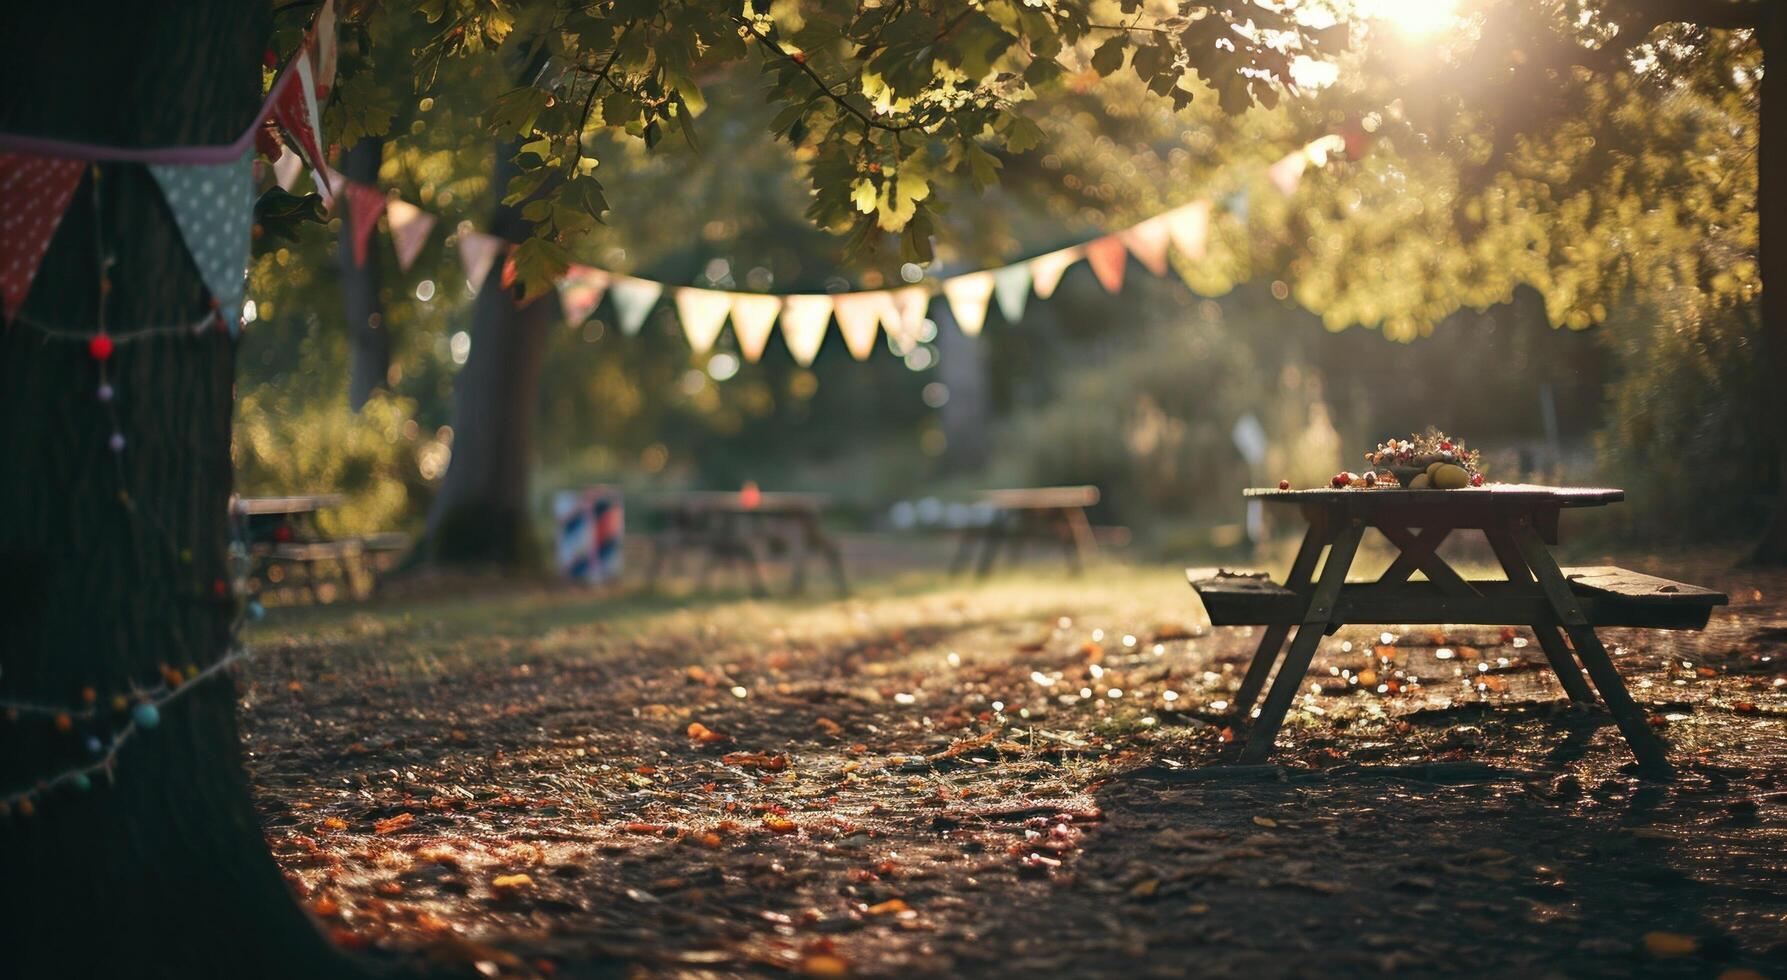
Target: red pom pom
point(1284, 484)
point(100, 347)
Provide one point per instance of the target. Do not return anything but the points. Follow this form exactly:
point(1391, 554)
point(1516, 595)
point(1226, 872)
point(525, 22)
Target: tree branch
point(824, 87)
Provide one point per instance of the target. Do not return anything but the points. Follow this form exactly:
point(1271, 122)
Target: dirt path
point(1010, 777)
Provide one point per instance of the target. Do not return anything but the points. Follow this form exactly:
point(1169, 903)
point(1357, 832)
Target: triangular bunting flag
point(753, 317)
point(1148, 243)
point(477, 253)
point(703, 313)
point(909, 306)
point(295, 108)
point(1046, 270)
point(1011, 287)
point(633, 301)
point(859, 319)
point(1189, 227)
point(968, 297)
point(580, 292)
point(214, 206)
point(1107, 258)
point(34, 191)
point(1286, 174)
point(364, 205)
point(410, 227)
point(324, 32)
point(804, 317)
point(287, 168)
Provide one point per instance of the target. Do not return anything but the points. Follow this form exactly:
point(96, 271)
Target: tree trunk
point(108, 561)
point(370, 341)
point(481, 513)
point(1771, 207)
point(962, 367)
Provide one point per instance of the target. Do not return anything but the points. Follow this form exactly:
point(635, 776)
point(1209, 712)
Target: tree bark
point(1771, 207)
point(370, 341)
point(108, 561)
point(962, 367)
point(480, 516)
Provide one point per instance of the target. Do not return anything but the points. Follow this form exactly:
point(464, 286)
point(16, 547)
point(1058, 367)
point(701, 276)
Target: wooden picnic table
point(288, 549)
point(1562, 606)
point(1022, 514)
point(730, 526)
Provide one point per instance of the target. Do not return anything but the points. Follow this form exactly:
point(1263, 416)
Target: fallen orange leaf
point(391, 825)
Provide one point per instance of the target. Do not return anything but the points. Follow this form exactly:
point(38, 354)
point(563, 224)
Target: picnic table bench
point(729, 527)
point(288, 549)
point(1020, 515)
point(1562, 606)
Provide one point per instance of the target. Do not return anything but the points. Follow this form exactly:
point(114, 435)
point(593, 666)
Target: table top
point(302, 503)
point(1513, 493)
point(1040, 498)
point(732, 501)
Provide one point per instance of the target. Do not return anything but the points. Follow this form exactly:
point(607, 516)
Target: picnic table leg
point(1652, 756)
point(1318, 615)
point(834, 557)
point(797, 582)
point(1302, 567)
point(989, 545)
point(964, 550)
point(1077, 531)
point(1557, 652)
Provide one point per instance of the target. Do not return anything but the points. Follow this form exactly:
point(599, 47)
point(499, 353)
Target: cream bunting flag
point(580, 292)
point(1148, 243)
point(859, 319)
point(804, 317)
point(410, 227)
point(1107, 258)
point(968, 298)
point(477, 253)
point(1011, 288)
point(287, 168)
point(753, 317)
point(703, 313)
point(1189, 227)
point(633, 301)
point(364, 206)
point(1286, 174)
point(1046, 270)
point(908, 323)
point(324, 28)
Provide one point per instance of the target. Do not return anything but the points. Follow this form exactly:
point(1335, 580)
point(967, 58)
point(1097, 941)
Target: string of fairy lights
point(138, 708)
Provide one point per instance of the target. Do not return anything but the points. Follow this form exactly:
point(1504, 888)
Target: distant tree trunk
point(108, 562)
point(1771, 207)
point(369, 340)
point(962, 367)
point(480, 515)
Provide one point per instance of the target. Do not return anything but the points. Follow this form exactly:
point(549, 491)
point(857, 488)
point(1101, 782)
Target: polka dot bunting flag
point(34, 192)
point(214, 206)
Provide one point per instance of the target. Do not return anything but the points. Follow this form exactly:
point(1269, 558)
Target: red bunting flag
point(296, 109)
point(34, 192)
point(364, 205)
point(1106, 256)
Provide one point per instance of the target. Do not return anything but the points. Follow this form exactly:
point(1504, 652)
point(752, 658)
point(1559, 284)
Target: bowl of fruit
point(1429, 461)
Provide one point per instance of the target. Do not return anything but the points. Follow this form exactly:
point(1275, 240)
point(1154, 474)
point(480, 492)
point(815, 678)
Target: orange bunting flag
point(34, 192)
point(410, 227)
point(804, 317)
point(1189, 227)
point(908, 323)
point(753, 317)
point(477, 253)
point(1148, 243)
point(968, 298)
point(580, 292)
point(703, 313)
point(364, 205)
point(1107, 258)
point(1046, 270)
point(859, 319)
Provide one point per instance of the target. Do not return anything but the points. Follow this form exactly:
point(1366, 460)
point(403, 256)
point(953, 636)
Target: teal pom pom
point(146, 715)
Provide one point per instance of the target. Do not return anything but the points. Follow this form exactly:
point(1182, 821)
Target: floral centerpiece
point(1430, 460)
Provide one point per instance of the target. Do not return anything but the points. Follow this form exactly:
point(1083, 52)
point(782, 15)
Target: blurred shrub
point(287, 445)
point(1150, 424)
point(1687, 429)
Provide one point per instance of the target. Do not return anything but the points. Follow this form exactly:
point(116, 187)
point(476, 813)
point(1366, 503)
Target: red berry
point(1342, 479)
point(1284, 484)
point(1445, 444)
point(1476, 479)
point(100, 347)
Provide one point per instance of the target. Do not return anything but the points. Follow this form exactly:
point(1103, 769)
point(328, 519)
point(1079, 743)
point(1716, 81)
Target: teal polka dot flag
point(214, 206)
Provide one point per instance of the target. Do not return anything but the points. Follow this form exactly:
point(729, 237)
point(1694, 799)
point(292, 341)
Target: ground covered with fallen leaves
point(1019, 777)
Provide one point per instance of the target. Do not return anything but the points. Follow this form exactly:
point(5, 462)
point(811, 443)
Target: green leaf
point(539, 263)
point(1109, 56)
point(514, 112)
point(983, 167)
